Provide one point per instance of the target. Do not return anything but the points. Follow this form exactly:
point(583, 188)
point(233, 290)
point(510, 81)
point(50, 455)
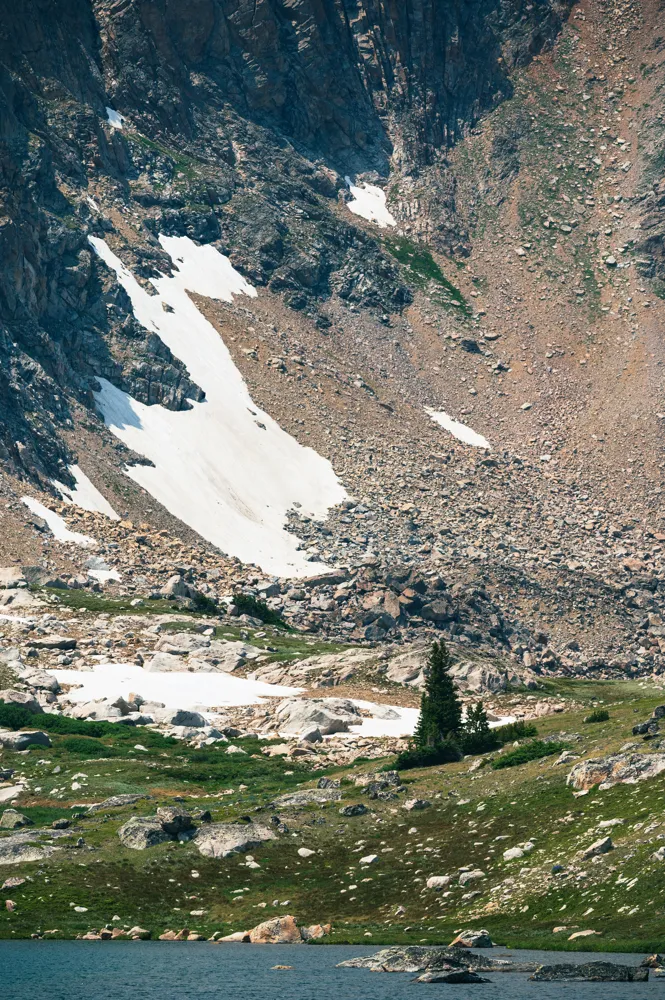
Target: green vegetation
point(440, 708)
point(247, 604)
point(529, 751)
point(473, 818)
point(598, 715)
point(423, 272)
point(441, 736)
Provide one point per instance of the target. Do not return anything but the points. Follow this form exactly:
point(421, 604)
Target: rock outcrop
point(617, 769)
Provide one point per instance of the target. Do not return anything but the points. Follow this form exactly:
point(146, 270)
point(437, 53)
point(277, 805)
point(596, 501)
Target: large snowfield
point(191, 691)
point(224, 467)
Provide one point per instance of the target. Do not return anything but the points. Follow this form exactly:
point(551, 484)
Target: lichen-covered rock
point(473, 939)
point(279, 930)
point(13, 820)
point(219, 840)
point(590, 972)
point(616, 769)
point(141, 832)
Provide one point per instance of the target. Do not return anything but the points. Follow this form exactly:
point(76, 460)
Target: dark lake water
point(85, 970)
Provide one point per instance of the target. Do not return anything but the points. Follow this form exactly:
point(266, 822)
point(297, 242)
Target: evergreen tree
point(477, 736)
point(440, 708)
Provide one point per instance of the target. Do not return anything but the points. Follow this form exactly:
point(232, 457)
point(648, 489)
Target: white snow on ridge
point(458, 429)
point(59, 529)
point(224, 467)
point(369, 202)
point(85, 495)
point(114, 118)
point(176, 690)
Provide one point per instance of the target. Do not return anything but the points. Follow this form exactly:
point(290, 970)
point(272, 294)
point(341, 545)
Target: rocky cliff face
point(250, 105)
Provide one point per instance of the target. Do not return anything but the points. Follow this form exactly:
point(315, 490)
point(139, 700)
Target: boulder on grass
point(141, 832)
point(13, 820)
point(220, 840)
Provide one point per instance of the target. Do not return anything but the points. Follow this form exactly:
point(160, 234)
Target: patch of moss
point(423, 270)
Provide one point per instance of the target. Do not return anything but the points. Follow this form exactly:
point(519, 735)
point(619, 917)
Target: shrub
point(598, 715)
point(85, 747)
point(514, 731)
point(444, 752)
point(247, 604)
point(529, 751)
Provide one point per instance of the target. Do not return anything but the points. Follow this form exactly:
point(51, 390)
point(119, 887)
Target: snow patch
point(115, 119)
point(224, 467)
point(392, 720)
point(99, 569)
point(58, 528)
point(369, 202)
point(190, 691)
point(85, 495)
point(458, 429)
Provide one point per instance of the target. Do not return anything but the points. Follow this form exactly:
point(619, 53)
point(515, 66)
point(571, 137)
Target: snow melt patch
point(458, 429)
point(84, 494)
point(395, 721)
point(57, 526)
point(369, 202)
point(186, 690)
point(224, 467)
point(115, 119)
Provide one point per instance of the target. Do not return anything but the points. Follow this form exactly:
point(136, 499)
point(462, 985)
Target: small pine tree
point(477, 736)
point(476, 722)
point(440, 708)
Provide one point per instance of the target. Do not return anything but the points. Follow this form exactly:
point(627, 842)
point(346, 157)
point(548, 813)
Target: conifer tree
point(477, 736)
point(440, 708)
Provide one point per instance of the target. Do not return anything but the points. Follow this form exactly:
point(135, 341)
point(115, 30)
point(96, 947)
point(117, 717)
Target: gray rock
point(328, 715)
point(601, 846)
point(141, 832)
point(174, 820)
point(453, 978)
point(13, 820)
point(20, 698)
point(417, 804)
point(183, 717)
point(16, 852)
point(21, 741)
point(116, 802)
point(385, 778)
point(356, 809)
point(307, 796)
point(616, 769)
point(220, 840)
point(53, 642)
point(590, 972)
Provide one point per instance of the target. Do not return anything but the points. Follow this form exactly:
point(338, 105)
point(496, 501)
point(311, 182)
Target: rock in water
point(473, 939)
point(455, 977)
point(590, 972)
point(280, 930)
point(219, 840)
